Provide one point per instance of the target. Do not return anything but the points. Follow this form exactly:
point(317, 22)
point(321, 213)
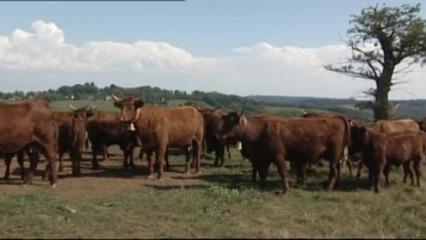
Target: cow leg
point(222, 155)
point(408, 172)
point(358, 174)
point(21, 163)
point(302, 172)
point(50, 155)
point(378, 169)
point(349, 166)
point(405, 172)
point(76, 159)
point(140, 156)
point(188, 162)
point(386, 171)
point(150, 164)
point(263, 174)
point(229, 152)
point(253, 171)
point(333, 174)
point(196, 154)
point(8, 160)
point(61, 167)
point(417, 171)
point(166, 158)
point(105, 153)
point(95, 150)
point(282, 171)
point(216, 157)
point(126, 156)
point(132, 164)
point(160, 155)
point(30, 173)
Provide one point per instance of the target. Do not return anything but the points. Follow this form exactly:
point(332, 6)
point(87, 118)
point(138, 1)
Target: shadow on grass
point(176, 187)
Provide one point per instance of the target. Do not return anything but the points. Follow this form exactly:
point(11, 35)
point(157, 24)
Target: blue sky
point(206, 29)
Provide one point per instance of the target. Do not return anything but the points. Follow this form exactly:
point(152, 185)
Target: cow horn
point(115, 98)
point(72, 107)
point(242, 112)
point(304, 112)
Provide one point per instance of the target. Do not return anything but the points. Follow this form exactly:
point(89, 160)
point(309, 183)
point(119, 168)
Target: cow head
point(79, 121)
point(129, 108)
point(82, 113)
point(233, 125)
point(359, 135)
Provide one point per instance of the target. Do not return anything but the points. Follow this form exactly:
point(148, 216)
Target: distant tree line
point(152, 95)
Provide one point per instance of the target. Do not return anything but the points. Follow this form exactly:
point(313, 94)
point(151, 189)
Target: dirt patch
point(110, 179)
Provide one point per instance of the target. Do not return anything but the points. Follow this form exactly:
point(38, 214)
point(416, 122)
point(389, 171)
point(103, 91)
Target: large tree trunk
point(382, 108)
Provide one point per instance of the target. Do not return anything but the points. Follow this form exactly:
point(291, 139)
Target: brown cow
point(381, 150)
point(25, 123)
point(389, 127)
point(72, 135)
point(212, 140)
point(103, 116)
point(62, 119)
point(395, 126)
point(269, 139)
point(160, 128)
point(345, 158)
point(104, 133)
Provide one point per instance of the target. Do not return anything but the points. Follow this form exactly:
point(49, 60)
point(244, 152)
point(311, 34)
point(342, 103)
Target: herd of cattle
point(32, 127)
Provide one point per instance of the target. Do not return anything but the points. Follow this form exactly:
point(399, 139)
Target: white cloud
point(41, 59)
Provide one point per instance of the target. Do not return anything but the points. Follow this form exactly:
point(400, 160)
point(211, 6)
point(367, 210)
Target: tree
point(381, 38)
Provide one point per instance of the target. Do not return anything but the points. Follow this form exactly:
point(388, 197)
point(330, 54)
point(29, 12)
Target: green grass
point(100, 105)
point(289, 111)
point(224, 204)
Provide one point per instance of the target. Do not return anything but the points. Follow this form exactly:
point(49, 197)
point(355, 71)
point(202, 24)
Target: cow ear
point(139, 103)
point(243, 121)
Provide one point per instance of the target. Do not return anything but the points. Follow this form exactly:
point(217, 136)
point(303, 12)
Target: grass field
point(220, 202)
point(99, 104)
point(289, 111)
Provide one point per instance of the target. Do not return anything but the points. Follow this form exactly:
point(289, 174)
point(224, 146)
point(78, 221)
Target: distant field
point(99, 104)
point(290, 111)
point(219, 203)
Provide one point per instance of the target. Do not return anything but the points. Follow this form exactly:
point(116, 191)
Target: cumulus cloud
point(42, 58)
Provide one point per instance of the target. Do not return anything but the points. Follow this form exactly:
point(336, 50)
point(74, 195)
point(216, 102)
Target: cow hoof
point(53, 186)
point(187, 173)
point(160, 179)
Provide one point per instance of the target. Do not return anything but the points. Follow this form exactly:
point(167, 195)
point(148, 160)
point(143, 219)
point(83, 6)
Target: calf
point(380, 151)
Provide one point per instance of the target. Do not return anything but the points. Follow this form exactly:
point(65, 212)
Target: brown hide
point(25, 123)
point(382, 150)
point(267, 139)
point(212, 141)
point(395, 126)
point(161, 128)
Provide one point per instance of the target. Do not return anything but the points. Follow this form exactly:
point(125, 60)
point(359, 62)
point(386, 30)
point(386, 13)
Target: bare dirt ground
point(110, 179)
